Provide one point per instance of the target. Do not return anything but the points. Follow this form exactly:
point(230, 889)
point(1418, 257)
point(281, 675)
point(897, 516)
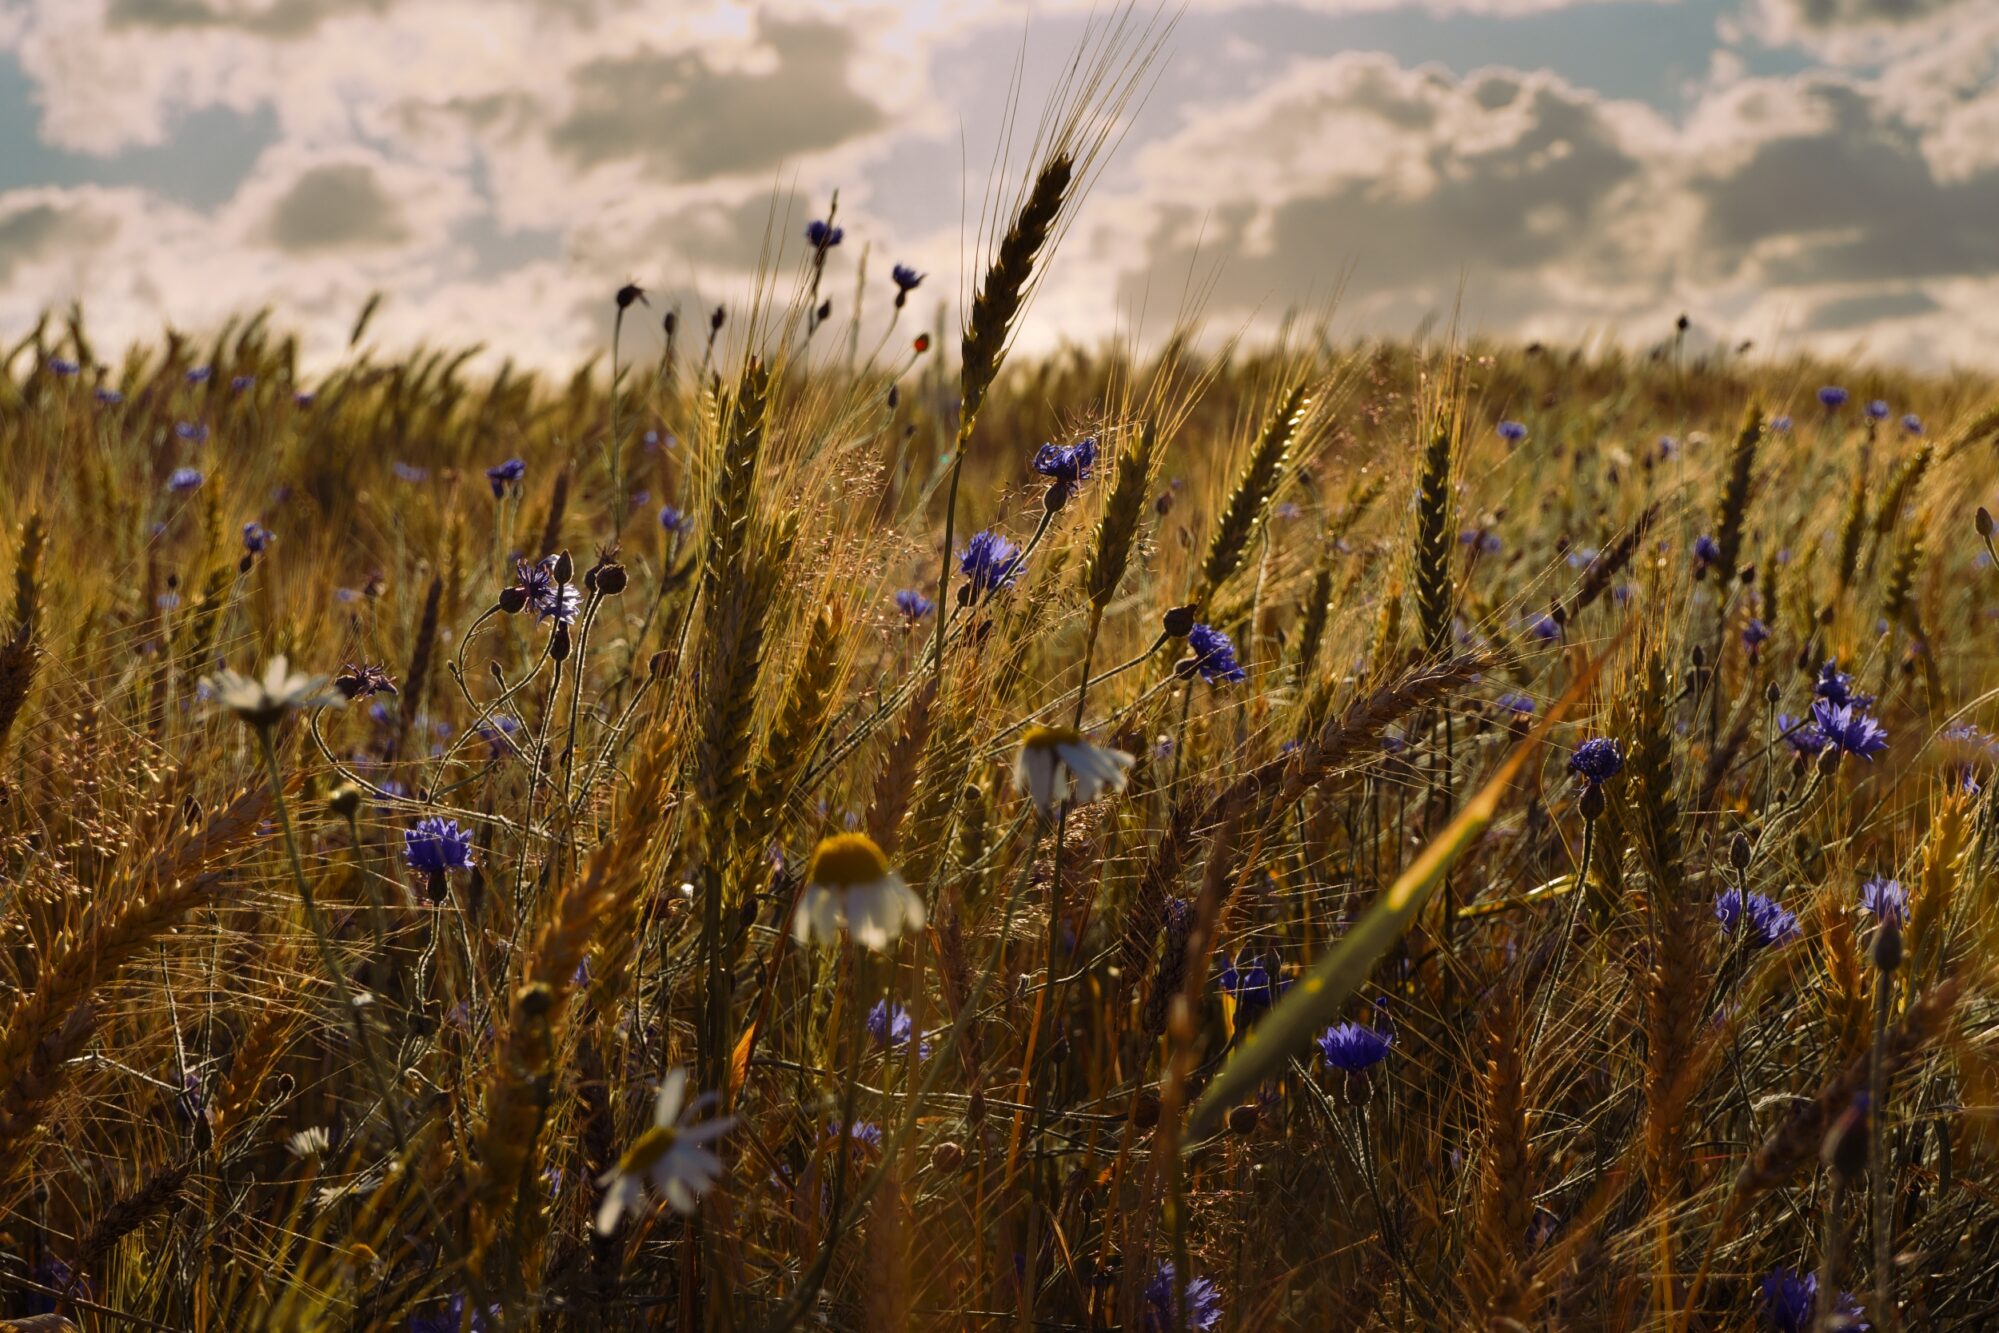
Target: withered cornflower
point(363, 682)
point(505, 476)
point(1213, 657)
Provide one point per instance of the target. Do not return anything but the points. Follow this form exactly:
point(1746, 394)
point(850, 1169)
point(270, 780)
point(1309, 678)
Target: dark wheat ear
point(1262, 473)
point(1435, 595)
point(996, 307)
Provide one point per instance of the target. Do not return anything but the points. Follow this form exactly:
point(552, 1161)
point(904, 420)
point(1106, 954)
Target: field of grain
point(1300, 834)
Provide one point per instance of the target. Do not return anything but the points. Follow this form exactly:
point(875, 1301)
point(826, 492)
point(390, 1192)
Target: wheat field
point(1279, 833)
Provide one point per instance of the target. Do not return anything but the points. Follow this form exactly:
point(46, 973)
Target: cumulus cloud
point(501, 164)
point(1804, 206)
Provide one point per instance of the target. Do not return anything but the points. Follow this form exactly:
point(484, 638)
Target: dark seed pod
point(1242, 1119)
point(1146, 1113)
point(513, 599)
point(947, 1157)
point(1592, 802)
point(1178, 622)
point(610, 579)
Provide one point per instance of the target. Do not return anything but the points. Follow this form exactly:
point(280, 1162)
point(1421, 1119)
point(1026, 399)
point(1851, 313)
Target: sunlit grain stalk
point(988, 332)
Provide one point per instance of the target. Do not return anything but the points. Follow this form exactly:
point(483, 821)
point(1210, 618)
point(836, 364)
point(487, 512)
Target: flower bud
point(1887, 949)
point(1738, 852)
point(947, 1157)
point(558, 644)
point(1984, 521)
point(564, 569)
point(513, 599)
point(1178, 622)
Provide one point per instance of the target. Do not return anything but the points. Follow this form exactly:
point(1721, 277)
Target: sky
point(1809, 175)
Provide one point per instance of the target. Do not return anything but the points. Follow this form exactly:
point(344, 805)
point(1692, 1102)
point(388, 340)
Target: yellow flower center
point(847, 859)
point(1047, 738)
point(652, 1145)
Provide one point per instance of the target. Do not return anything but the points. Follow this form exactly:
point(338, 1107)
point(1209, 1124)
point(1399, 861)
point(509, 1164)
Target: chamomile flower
point(670, 1157)
point(1056, 764)
point(262, 701)
point(849, 884)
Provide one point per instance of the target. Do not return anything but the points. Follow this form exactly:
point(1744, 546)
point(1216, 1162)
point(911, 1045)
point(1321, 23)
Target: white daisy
point(849, 884)
point(1053, 760)
point(669, 1156)
point(262, 702)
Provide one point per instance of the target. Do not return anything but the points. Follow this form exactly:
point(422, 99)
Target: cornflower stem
point(1880, 1215)
point(1573, 919)
point(611, 449)
point(1829, 1254)
point(950, 532)
point(318, 927)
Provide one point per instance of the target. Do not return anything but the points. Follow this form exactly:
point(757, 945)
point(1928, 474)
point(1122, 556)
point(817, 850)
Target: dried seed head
point(947, 1157)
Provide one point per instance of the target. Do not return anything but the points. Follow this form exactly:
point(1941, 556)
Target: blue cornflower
point(864, 1131)
point(1251, 984)
point(1755, 634)
point(822, 236)
point(1214, 656)
point(548, 599)
point(184, 479)
point(436, 845)
point(1067, 463)
point(256, 537)
point(1912, 423)
point(1832, 397)
point(1769, 924)
point(1204, 1302)
point(501, 476)
point(1545, 628)
point(242, 382)
point(1483, 540)
point(1351, 1047)
point(1849, 728)
point(200, 374)
point(1706, 549)
point(1836, 686)
point(990, 562)
point(673, 520)
point(1512, 432)
point(1597, 760)
point(1885, 898)
point(1800, 734)
point(191, 431)
point(1516, 702)
point(913, 604)
point(1877, 410)
point(62, 369)
point(888, 1024)
point(451, 1318)
point(1781, 423)
point(1788, 1299)
point(409, 472)
point(906, 280)
point(108, 397)
point(303, 398)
